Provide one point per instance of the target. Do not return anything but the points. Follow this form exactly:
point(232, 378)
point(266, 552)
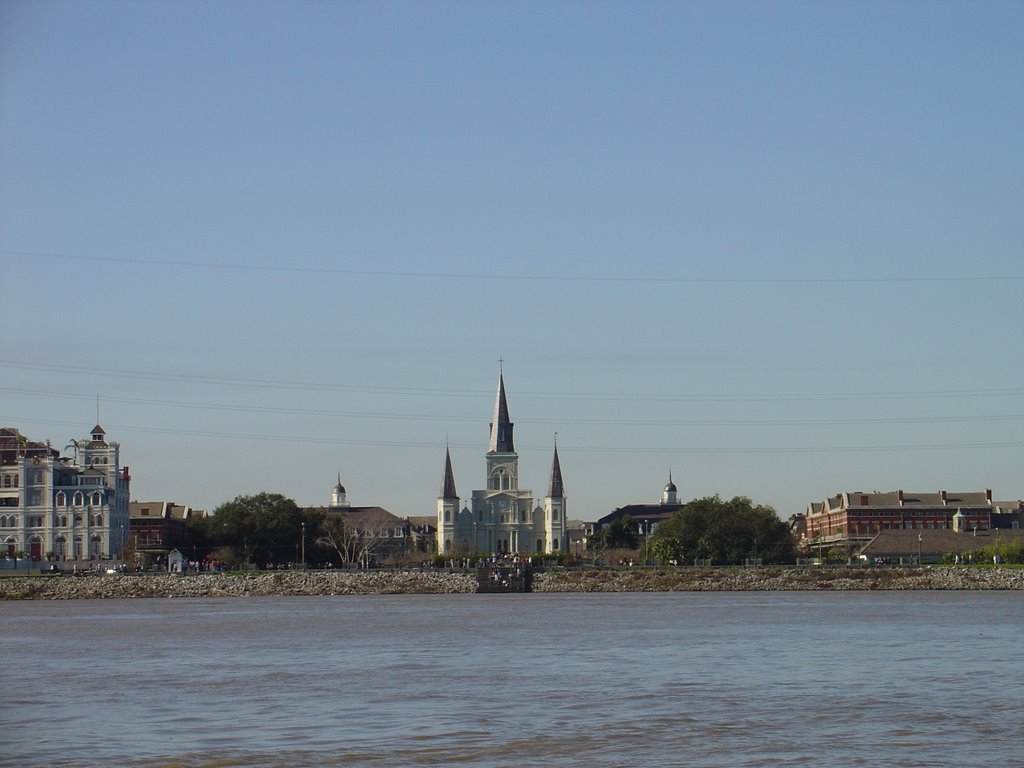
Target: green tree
point(727, 532)
point(621, 533)
point(261, 528)
point(667, 549)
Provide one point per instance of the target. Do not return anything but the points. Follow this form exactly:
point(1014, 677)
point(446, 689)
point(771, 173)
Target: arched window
point(98, 521)
point(60, 548)
point(63, 521)
point(7, 481)
point(79, 499)
point(94, 547)
point(540, 545)
point(61, 499)
point(96, 499)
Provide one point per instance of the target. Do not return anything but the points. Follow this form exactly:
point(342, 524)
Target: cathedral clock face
point(503, 503)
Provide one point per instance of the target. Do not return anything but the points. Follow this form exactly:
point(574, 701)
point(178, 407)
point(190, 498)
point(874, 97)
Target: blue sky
point(774, 248)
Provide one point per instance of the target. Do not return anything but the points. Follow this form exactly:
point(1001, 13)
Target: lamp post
point(303, 561)
point(645, 530)
point(919, 563)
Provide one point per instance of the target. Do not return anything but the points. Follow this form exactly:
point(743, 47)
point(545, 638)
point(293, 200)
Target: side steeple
point(447, 508)
point(555, 487)
point(448, 482)
point(555, 525)
point(501, 424)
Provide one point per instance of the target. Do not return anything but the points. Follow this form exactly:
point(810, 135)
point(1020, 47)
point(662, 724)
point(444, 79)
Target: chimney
point(988, 495)
point(900, 492)
point(943, 495)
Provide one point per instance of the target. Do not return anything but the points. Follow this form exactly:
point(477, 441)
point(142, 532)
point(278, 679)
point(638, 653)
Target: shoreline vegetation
point(436, 581)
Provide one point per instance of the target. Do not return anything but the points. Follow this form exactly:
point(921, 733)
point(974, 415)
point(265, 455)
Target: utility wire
point(575, 396)
point(568, 448)
point(660, 279)
point(652, 422)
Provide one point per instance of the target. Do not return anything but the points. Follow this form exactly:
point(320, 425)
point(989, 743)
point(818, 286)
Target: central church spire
point(501, 425)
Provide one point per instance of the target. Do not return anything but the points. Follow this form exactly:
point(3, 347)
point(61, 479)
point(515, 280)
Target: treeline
point(271, 529)
point(268, 528)
point(709, 529)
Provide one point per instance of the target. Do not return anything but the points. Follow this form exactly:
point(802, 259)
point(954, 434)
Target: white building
point(502, 517)
point(70, 508)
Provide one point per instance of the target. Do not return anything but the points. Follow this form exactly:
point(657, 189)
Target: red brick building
point(852, 519)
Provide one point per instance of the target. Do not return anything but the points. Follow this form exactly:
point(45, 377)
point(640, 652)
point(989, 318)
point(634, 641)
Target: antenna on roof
point(97, 408)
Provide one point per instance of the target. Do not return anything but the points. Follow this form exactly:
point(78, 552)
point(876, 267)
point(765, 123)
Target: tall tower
point(104, 485)
point(502, 460)
point(447, 507)
point(554, 509)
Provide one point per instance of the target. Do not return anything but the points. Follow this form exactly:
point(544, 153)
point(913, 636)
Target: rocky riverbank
point(558, 580)
point(236, 585)
point(778, 579)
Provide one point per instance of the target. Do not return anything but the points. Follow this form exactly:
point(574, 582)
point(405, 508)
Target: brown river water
point(694, 679)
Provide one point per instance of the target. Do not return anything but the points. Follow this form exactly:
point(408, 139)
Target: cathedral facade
point(501, 517)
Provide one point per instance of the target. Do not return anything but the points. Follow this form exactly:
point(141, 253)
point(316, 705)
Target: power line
point(597, 396)
point(650, 422)
point(575, 278)
point(438, 445)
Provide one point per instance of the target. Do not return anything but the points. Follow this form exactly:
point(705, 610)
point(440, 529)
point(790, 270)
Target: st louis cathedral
point(502, 517)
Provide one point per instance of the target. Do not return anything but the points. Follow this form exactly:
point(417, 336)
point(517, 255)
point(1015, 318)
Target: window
point(61, 499)
point(96, 499)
